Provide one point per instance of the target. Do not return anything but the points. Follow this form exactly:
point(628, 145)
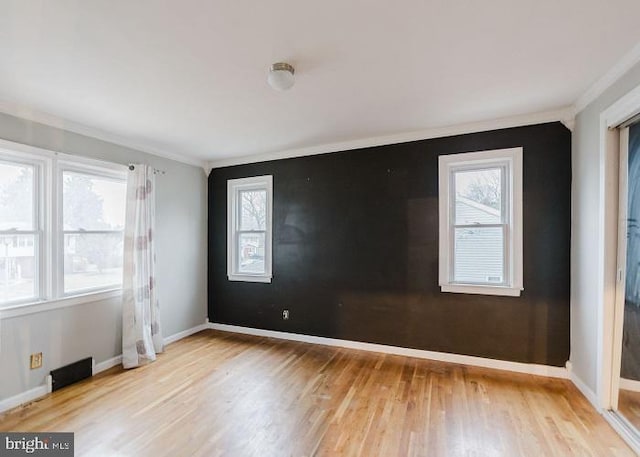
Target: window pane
point(251, 251)
point(479, 255)
point(16, 197)
point(478, 196)
point(253, 210)
point(18, 267)
point(92, 260)
point(93, 203)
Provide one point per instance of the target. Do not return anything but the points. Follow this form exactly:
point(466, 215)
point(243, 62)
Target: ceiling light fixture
point(281, 76)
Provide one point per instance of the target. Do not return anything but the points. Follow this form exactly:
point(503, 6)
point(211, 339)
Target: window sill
point(48, 305)
point(481, 290)
point(249, 278)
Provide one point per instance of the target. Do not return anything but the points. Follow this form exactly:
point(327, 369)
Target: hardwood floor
point(215, 394)
point(629, 406)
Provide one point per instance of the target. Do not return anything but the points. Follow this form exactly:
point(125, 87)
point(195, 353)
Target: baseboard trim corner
point(585, 390)
point(504, 365)
point(185, 333)
point(105, 365)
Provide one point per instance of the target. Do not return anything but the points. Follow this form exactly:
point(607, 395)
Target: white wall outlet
point(285, 314)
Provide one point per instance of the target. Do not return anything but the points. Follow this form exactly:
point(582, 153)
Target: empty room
point(242, 228)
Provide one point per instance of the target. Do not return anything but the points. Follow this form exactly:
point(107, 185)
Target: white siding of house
point(479, 251)
point(471, 212)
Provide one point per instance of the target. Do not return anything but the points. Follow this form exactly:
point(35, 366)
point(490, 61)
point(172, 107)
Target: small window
point(249, 240)
point(93, 213)
point(481, 222)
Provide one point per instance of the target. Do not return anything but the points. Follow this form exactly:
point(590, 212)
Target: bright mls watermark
point(36, 444)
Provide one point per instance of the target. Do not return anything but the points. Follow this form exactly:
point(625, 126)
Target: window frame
point(81, 168)
point(234, 188)
point(50, 266)
point(510, 161)
point(40, 225)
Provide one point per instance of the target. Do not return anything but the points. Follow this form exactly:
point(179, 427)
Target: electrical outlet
point(285, 314)
point(36, 360)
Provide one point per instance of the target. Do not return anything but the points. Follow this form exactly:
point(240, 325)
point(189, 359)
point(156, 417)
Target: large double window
point(61, 226)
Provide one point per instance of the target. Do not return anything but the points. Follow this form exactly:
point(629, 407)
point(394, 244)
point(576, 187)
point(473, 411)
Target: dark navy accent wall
point(355, 251)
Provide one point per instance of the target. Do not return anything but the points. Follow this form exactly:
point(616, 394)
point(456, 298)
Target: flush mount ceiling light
point(281, 76)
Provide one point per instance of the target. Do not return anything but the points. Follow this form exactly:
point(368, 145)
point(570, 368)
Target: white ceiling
point(189, 77)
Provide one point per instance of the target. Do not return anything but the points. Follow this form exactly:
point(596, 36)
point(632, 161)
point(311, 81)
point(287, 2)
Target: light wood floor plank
point(220, 394)
point(629, 406)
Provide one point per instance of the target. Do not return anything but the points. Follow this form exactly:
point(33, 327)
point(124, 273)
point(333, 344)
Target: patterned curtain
point(141, 335)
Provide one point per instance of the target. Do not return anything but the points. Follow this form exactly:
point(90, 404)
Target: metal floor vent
point(72, 373)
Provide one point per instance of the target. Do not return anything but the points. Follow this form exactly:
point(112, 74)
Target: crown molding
point(51, 120)
point(565, 115)
point(616, 72)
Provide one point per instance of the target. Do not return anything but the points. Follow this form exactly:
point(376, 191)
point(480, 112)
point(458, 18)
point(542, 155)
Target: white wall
point(585, 236)
point(95, 329)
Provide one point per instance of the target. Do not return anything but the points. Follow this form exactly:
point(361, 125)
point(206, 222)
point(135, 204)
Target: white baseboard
point(630, 384)
point(102, 366)
point(185, 333)
point(528, 368)
point(583, 388)
point(26, 397)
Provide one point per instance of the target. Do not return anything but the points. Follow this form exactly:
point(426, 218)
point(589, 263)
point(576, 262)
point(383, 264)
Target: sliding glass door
point(628, 290)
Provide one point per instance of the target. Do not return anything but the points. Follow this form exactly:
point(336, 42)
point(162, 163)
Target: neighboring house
point(17, 265)
point(252, 253)
point(480, 246)
point(17, 251)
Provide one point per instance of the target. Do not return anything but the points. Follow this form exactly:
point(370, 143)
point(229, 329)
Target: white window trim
point(40, 214)
point(233, 187)
point(48, 162)
point(513, 157)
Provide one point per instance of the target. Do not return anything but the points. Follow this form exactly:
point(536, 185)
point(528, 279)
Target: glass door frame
point(621, 267)
point(611, 118)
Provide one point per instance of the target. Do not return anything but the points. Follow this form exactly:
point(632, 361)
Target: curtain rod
point(155, 170)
